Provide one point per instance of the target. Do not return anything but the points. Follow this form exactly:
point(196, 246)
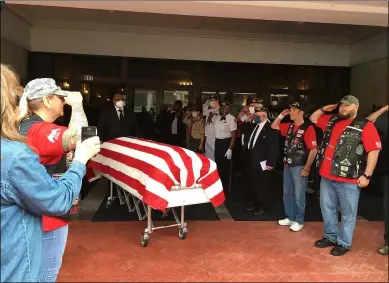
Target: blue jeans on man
point(295, 187)
point(345, 195)
point(54, 243)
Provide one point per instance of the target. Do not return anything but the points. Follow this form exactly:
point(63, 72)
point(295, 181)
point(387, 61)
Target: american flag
point(150, 169)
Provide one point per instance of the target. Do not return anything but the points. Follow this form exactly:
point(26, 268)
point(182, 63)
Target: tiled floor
point(218, 251)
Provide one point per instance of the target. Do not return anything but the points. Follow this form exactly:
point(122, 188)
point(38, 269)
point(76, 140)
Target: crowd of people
point(332, 146)
point(43, 163)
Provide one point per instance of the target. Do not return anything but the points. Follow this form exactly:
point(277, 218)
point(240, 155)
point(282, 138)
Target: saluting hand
point(285, 112)
point(329, 108)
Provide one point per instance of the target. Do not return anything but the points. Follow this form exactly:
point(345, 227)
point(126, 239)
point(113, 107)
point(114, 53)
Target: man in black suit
point(117, 121)
point(261, 151)
point(176, 126)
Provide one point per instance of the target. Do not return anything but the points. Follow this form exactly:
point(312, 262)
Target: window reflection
point(170, 96)
point(146, 98)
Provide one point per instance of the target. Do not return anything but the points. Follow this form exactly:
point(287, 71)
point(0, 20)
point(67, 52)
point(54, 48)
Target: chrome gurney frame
point(135, 204)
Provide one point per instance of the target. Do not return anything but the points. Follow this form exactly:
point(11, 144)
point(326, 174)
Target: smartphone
point(88, 132)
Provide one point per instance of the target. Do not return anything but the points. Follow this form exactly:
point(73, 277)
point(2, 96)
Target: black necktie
point(121, 115)
point(251, 144)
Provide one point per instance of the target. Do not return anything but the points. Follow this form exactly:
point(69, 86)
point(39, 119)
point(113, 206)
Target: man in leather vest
point(41, 104)
point(299, 154)
point(380, 120)
point(346, 160)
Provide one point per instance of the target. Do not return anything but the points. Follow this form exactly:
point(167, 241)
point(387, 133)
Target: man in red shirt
point(40, 105)
point(299, 154)
point(346, 160)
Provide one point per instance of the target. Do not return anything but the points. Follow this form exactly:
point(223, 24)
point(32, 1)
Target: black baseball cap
point(260, 109)
point(297, 105)
point(256, 100)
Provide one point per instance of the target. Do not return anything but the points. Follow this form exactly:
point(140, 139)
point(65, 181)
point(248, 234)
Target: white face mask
point(243, 118)
point(120, 104)
point(251, 110)
point(274, 102)
point(195, 114)
point(212, 104)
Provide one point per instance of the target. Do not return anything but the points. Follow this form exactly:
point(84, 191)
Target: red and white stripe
point(149, 169)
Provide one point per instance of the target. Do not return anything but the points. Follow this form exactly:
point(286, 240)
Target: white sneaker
point(285, 222)
point(296, 227)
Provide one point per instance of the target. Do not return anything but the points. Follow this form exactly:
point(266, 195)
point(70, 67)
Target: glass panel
point(170, 96)
point(239, 100)
point(144, 97)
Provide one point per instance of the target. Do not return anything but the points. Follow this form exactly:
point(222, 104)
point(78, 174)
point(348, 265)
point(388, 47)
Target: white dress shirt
point(210, 129)
point(223, 128)
point(259, 126)
point(174, 126)
point(117, 111)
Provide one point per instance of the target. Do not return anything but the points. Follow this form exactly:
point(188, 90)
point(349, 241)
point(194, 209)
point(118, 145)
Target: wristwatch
point(366, 176)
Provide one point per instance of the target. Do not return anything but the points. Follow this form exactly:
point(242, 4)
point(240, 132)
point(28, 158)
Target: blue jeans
point(295, 188)
point(54, 243)
point(332, 194)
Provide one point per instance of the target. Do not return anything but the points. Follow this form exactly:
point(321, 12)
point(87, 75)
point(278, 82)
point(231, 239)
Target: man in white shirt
point(225, 133)
point(211, 113)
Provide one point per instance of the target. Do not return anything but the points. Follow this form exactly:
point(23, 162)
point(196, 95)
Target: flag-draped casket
point(151, 170)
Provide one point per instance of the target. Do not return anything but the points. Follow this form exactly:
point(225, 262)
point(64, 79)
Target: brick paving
point(216, 251)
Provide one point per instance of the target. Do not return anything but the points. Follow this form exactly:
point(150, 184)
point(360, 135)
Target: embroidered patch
point(53, 135)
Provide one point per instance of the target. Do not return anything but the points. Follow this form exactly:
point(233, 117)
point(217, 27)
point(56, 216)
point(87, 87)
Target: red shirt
point(309, 135)
point(370, 140)
point(46, 140)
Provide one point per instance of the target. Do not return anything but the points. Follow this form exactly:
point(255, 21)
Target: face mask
point(274, 103)
point(120, 104)
point(243, 118)
point(212, 104)
point(195, 114)
point(257, 119)
point(251, 110)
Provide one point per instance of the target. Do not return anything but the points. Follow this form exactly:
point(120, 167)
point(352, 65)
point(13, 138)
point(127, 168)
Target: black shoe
point(249, 208)
point(324, 243)
point(339, 250)
point(259, 211)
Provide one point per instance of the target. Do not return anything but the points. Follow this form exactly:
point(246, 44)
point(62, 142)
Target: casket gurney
point(150, 175)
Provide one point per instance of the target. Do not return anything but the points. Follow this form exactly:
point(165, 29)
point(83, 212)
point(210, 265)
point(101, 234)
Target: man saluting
point(299, 154)
point(346, 159)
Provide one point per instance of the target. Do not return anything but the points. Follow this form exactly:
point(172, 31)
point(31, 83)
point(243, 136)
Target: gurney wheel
point(182, 233)
point(109, 202)
point(144, 240)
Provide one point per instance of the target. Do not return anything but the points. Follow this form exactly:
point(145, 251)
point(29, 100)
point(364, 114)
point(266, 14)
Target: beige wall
point(369, 82)
point(15, 56)
point(369, 71)
point(184, 47)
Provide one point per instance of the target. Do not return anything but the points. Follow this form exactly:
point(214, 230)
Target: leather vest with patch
point(56, 171)
point(295, 149)
point(349, 159)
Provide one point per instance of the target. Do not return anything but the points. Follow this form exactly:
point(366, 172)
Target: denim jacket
point(27, 192)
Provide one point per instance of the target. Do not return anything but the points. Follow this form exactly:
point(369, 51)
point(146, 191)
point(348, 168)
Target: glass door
point(171, 96)
point(145, 98)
